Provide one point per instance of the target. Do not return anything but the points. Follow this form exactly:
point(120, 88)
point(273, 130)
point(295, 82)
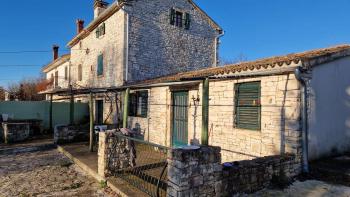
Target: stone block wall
point(199, 172)
point(253, 175)
point(15, 132)
point(194, 172)
point(114, 153)
point(70, 133)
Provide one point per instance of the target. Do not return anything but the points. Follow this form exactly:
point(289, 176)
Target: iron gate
point(140, 163)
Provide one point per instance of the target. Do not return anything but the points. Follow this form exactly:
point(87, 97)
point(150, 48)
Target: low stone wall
point(253, 175)
point(15, 132)
point(70, 133)
point(114, 153)
point(199, 172)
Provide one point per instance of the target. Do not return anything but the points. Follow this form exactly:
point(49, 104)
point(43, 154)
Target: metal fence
point(140, 163)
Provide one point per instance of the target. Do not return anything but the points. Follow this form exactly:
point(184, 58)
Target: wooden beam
point(126, 108)
point(205, 112)
point(91, 111)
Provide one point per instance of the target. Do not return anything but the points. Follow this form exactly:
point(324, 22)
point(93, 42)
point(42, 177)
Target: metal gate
point(146, 168)
point(180, 119)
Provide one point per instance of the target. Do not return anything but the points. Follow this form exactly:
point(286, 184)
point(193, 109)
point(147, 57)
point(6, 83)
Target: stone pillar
point(194, 172)
point(102, 154)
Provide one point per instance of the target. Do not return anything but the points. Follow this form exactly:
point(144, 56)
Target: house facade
point(255, 108)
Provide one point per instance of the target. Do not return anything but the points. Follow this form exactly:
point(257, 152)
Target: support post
point(205, 112)
point(91, 111)
point(50, 111)
point(71, 107)
point(126, 108)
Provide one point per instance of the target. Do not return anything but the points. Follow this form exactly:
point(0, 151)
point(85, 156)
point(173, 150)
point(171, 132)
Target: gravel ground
point(44, 173)
point(310, 188)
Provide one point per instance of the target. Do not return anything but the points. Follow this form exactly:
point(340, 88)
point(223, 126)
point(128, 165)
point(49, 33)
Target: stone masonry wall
point(70, 133)
point(15, 132)
point(199, 172)
point(280, 118)
point(157, 48)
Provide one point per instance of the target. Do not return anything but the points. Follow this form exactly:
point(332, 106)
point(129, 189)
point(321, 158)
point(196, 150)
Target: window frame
point(66, 73)
point(56, 79)
point(138, 104)
point(80, 72)
point(256, 103)
point(100, 65)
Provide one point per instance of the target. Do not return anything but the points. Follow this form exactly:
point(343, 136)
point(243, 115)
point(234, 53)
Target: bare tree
point(238, 59)
point(26, 90)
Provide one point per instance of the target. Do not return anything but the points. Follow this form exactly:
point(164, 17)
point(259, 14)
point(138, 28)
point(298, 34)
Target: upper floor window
point(66, 73)
point(138, 104)
point(101, 30)
point(100, 65)
point(80, 73)
point(56, 78)
point(180, 19)
point(248, 106)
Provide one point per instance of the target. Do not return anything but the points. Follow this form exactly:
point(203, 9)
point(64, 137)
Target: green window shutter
point(97, 32)
point(100, 65)
point(248, 107)
point(132, 104)
point(187, 21)
point(103, 29)
point(143, 104)
point(172, 16)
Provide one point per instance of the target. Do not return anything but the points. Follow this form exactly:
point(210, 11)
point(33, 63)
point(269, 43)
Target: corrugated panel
point(248, 108)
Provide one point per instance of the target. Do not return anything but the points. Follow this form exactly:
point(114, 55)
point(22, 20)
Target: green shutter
point(187, 21)
point(248, 107)
point(144, 103)
point(103, 29)
point(172, 16)
point(100, 65)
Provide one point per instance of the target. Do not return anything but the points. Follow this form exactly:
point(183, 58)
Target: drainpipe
point(305, 141)
point(217, 43)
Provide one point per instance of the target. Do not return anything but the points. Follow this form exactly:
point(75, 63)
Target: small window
point(248, 106)
point(56, 79)
point(138, 104)
point(180, 19)
point(80, 73)
point(101, 30)
point(100, 65)
point(66, 73)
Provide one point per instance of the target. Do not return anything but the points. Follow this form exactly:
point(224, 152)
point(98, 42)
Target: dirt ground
point(44, 173)
point(310, 188)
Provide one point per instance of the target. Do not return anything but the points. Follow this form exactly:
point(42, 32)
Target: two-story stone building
point(130, 41)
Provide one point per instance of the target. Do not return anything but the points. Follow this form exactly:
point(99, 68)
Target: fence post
point(71, 106)
point(205, 111)
point(126, 108)
point(102, 154)
point(91, 111)
point(50, 111)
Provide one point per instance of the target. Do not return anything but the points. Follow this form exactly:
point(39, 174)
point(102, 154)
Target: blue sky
point(254, 28)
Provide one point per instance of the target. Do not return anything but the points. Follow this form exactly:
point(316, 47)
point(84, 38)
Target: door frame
point(172, 115)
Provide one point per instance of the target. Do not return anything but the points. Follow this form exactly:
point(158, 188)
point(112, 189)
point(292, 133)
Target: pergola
point(71, 92)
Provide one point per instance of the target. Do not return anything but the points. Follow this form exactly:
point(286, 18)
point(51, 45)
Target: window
point(248, 106)
point(80, 73)
point(138, 104)
point(56, 78)
point(101, 30)
point(178, 19)
point(100, 65)
point(66, 73)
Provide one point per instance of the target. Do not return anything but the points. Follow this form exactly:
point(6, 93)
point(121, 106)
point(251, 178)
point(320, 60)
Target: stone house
point(256, 108)
point(165, 53)
point(130, 41)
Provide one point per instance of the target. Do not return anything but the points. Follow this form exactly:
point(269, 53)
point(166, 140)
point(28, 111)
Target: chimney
point(99, 7)
point(55, 52)
point(80, 26)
